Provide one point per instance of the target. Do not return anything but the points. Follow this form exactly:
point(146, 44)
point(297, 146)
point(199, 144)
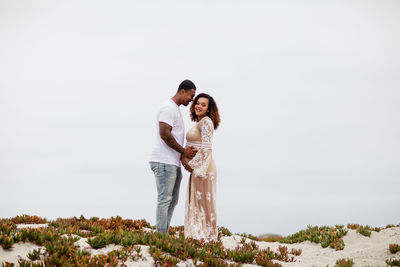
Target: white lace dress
point(200, 217)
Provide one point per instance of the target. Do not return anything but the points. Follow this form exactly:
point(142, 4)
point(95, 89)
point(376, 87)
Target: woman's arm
point(202, 159)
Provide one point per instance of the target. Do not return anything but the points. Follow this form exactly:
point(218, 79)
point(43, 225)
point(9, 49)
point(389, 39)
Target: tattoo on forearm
point(165, 133)
point(170, 140)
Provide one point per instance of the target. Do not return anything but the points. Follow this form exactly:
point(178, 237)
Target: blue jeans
point(168, 181)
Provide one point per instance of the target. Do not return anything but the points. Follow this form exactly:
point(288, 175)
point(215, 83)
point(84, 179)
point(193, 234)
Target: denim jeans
point(168, 180)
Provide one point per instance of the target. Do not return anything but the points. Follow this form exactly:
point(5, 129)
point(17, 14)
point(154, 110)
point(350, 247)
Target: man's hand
point(185, 163)
point(189, 152)
point(166, 136)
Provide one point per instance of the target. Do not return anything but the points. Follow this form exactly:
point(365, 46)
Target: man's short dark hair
point(186, 85)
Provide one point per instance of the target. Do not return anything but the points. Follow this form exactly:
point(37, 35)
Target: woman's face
point(201, 107)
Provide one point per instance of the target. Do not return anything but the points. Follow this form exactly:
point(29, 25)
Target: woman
point(200, 217)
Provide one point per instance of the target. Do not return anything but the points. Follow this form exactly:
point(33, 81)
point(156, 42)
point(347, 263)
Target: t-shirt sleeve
point(167, 116)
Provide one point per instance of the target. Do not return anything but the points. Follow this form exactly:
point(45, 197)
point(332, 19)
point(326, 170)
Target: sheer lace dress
point(200, 217)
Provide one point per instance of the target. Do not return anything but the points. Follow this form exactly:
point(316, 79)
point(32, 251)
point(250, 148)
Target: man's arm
point(166, 135)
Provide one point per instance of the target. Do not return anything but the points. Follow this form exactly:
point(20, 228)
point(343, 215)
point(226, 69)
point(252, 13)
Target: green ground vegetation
point(344, 263)
point(59, 237)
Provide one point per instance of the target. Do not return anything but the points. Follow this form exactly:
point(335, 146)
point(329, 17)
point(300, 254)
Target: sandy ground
point(365, 251)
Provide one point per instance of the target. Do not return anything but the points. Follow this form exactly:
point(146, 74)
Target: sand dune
point(365, 251)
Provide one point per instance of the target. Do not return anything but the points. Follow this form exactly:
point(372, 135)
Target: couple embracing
point(196, 156)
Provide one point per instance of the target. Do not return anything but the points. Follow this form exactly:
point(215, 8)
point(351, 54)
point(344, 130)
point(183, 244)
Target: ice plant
point(344, 263)
point(394, 248)
point(326, 236)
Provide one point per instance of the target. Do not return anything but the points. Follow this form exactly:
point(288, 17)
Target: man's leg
point(165, 175)
point(175, 194)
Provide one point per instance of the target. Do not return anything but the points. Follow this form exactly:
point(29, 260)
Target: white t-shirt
point(169, 113)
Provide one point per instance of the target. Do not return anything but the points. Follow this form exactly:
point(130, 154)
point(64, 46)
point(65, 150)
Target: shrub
point(34, 255)
point(364, 231)
point(244, 254)
point(6, 241)
point(344, 263)
point(296, 252)
point(264, 257)
point(393, 262)
point(161, 259)
point(394, 248)
point(223, 231)
point(327, 236)
point(97, 242)
point(28, 219)
point(25, 263)
point(250, 236)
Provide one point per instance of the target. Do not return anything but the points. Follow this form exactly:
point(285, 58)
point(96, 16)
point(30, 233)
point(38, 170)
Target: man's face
point(188, 96)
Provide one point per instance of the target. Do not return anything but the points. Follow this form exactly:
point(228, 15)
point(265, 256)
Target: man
point(165, 159)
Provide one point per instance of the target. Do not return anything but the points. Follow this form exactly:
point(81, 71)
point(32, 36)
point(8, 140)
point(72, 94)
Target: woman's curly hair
point(212, 110)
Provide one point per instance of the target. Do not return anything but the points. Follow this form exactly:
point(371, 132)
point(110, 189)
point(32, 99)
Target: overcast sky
point(308, 91)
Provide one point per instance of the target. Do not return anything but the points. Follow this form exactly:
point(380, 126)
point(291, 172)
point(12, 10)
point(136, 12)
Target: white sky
point(308, 91)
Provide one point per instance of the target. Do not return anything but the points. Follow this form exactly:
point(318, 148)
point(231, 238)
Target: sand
point(365, 251)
